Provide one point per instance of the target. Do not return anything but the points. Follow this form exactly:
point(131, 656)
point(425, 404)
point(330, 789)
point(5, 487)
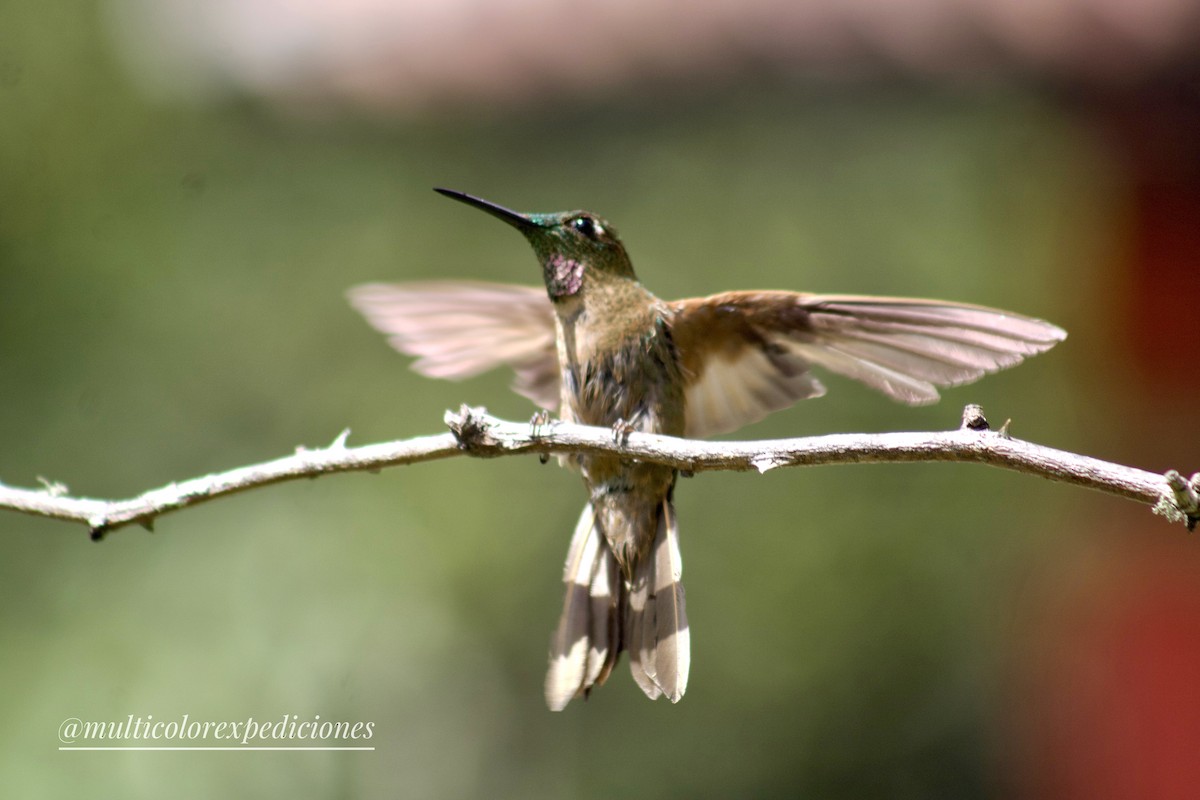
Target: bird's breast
point(632, 377)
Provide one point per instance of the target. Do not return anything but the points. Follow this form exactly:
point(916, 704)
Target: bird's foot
point(621, 430)
point(537, 422)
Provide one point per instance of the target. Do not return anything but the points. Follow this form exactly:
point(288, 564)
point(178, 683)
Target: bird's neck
point(607, 312)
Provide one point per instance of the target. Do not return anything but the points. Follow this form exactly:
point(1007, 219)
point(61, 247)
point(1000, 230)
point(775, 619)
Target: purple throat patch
point(564, 276)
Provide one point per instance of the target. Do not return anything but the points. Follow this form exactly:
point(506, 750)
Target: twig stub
point(973, 418)
point(470, 428)
point(1185, 496)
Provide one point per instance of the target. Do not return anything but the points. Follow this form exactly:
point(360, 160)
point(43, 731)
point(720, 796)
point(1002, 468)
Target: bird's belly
point(628, 390)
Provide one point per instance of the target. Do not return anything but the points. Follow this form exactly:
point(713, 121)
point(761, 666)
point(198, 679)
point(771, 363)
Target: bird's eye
point(587, 226)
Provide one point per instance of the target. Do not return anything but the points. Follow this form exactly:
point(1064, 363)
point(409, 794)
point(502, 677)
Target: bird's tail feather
point(658, 638)
point(604, 614)
point(588, 638)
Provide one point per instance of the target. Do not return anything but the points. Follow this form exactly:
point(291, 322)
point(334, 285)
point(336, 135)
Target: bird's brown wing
point(747, 354)
point(457, 329)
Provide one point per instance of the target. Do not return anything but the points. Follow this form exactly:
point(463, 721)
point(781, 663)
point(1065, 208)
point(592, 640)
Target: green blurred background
point(172, 273)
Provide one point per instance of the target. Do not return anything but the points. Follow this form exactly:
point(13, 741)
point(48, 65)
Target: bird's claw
point(537, 422)
point(621, 430)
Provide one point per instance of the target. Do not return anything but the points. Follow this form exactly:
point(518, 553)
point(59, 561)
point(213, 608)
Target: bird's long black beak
point(519, 221)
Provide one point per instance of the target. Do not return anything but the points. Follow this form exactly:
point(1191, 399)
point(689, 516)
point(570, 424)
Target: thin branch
point(475, 433)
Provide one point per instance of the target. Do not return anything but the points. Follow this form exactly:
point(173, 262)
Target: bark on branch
point(473, 432)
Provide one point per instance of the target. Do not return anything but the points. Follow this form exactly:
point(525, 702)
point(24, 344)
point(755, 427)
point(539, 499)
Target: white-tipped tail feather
point(582, 636)
point(602, 615)
point(665, 646)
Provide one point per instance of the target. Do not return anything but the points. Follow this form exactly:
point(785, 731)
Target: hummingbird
point(599, 348)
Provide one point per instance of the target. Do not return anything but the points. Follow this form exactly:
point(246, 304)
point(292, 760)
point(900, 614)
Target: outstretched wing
point(457, 329)
point(748, 353)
